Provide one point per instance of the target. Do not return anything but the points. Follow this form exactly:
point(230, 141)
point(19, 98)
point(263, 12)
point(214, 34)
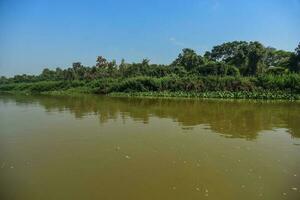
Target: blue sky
point(54, 33)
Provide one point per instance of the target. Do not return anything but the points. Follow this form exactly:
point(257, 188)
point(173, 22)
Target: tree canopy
point(237, 58)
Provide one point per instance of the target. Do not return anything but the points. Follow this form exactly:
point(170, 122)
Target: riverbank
point(267, 95)
point(264, 87)
point(259, 95)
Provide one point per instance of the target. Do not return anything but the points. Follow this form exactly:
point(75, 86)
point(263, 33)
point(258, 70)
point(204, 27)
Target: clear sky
point(54, 33)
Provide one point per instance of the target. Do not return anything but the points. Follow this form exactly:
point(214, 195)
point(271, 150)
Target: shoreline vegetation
point(234, 70)
point(153, 87)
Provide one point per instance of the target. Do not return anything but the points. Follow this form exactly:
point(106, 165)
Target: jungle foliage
point(232, 66)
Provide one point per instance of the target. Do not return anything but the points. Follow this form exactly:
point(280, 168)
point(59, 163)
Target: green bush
point(192, 84)
point(276, 70)
point(216, 69)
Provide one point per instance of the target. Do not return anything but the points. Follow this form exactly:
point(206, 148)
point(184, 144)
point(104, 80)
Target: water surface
point(93, 147)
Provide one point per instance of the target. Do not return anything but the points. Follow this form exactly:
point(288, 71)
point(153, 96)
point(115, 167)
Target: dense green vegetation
point(236, 69)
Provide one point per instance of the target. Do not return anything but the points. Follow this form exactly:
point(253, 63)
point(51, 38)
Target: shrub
point(276, 70)
point(216, 69)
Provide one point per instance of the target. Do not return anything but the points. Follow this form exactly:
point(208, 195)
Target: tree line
point(237, 58)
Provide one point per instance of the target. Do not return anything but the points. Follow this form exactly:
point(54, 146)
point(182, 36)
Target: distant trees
point(3, 80)
point(237, 58)
point(277, 58)
point(48, 74)
point(294, 62)
point(78, 70)
point(248, 57)
point(255, 59)
point(233, 53)
point(101, 62)
point(188, 59)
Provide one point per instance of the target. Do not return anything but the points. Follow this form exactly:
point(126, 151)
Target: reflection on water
point(234, 119)
point(95, 147)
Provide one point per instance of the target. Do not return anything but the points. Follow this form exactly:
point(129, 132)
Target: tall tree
point(79, 70)
point(294, 65)
point(188, 59)
point(233, 53)
point(101, 62)
point(277, 58)
point(256, 55)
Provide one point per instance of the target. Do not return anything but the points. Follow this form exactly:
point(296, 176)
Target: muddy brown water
point(93, 147)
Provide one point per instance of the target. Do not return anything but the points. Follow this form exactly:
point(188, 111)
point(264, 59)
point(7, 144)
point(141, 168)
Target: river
point(94, 147)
